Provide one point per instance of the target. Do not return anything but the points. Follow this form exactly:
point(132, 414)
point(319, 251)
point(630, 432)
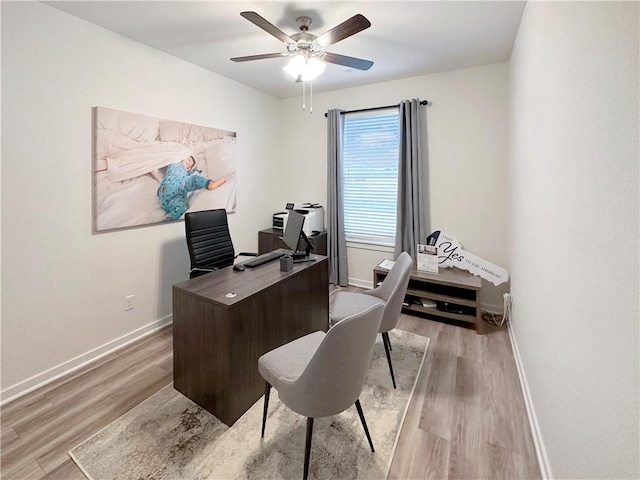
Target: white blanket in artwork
point(135, 202)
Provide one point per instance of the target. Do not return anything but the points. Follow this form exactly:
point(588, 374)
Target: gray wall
point(63, 288)
point(573, 195)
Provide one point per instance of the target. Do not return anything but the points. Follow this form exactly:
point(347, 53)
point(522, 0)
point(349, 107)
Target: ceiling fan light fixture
point(304, 67)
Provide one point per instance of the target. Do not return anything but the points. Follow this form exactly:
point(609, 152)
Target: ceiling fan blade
point(248, 58)
point(349, 27)
point(352, 62)
point(268, 27)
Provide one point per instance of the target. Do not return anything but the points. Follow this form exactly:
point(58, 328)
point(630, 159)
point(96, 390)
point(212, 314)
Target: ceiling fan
point(307, 51)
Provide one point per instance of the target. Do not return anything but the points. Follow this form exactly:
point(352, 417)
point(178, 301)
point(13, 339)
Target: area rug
point(169, 437)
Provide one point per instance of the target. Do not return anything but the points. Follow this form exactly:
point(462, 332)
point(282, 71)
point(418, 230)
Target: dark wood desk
point(217, 340)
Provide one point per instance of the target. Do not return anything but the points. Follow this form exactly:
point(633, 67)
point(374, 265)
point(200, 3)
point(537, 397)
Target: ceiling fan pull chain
point(311, 96)
point(303, 95)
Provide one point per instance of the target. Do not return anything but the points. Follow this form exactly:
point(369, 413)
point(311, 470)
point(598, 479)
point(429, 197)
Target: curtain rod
point(422, 102)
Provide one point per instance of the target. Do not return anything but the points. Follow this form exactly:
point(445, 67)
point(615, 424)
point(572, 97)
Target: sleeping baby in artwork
point(179, 180)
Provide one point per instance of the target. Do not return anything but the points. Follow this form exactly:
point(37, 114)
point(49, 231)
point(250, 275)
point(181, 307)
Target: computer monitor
point(294, 235)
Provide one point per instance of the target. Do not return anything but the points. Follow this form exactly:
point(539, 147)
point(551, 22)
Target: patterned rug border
point(406, 407)
point(391, 454)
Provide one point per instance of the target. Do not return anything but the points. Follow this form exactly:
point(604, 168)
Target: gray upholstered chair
point(322, 374)
point(391, 292)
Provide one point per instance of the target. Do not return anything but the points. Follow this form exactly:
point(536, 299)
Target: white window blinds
point(370, 174)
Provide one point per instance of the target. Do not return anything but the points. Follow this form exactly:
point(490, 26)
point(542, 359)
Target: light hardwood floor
point(466, 420)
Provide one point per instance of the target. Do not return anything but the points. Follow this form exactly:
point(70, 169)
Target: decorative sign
point(451, 254)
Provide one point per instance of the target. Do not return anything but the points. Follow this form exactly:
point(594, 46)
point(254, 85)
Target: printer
point(313, 217)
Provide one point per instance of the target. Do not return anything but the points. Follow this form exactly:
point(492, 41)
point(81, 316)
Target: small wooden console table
point(456, 293)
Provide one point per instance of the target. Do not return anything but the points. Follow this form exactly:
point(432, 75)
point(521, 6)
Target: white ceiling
point(406, 38)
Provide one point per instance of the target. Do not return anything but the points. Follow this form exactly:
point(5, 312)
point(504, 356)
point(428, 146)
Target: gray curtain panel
point(336, 242)
point(410, 228)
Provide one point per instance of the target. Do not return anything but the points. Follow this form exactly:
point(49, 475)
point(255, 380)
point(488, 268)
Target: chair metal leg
point(364, 423)
point(387, 345)
point(387, 341)
point(307, 448)
point(267, 391)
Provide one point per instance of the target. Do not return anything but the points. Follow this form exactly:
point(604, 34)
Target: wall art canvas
point(149, 170)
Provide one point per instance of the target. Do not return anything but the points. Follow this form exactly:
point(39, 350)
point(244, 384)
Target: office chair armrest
point(202, 269)
point(247, 254)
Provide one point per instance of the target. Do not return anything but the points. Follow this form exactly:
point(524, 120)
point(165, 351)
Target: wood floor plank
point(504, 416)
point(17, 460)
point(467, 422)
point(16, 457)
point(24, 468)
point(166, 363)
point(28, 408)
point(67, 471)
point(438, 408)
point(473, 346)
point(425, 456)
point(419, 326)
point(497, 462)
point(8, 436)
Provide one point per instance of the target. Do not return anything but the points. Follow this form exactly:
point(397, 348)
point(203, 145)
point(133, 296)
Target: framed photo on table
point(427, 258)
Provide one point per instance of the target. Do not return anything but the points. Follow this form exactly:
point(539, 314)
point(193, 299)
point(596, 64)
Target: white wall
point(466, 127)
point(573, 193)
point(63, 287)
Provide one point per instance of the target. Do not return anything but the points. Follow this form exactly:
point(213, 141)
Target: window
point(371, 150)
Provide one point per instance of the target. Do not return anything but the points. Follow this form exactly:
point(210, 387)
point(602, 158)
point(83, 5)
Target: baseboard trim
point(356, 282)
point(20, 389)
point(541, 451)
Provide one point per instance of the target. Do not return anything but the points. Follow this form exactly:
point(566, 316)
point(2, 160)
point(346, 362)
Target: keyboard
point(262, 259)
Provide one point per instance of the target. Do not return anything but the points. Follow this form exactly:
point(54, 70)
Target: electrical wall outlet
point(507, 300)
point(508, 305)
point(129, 302)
